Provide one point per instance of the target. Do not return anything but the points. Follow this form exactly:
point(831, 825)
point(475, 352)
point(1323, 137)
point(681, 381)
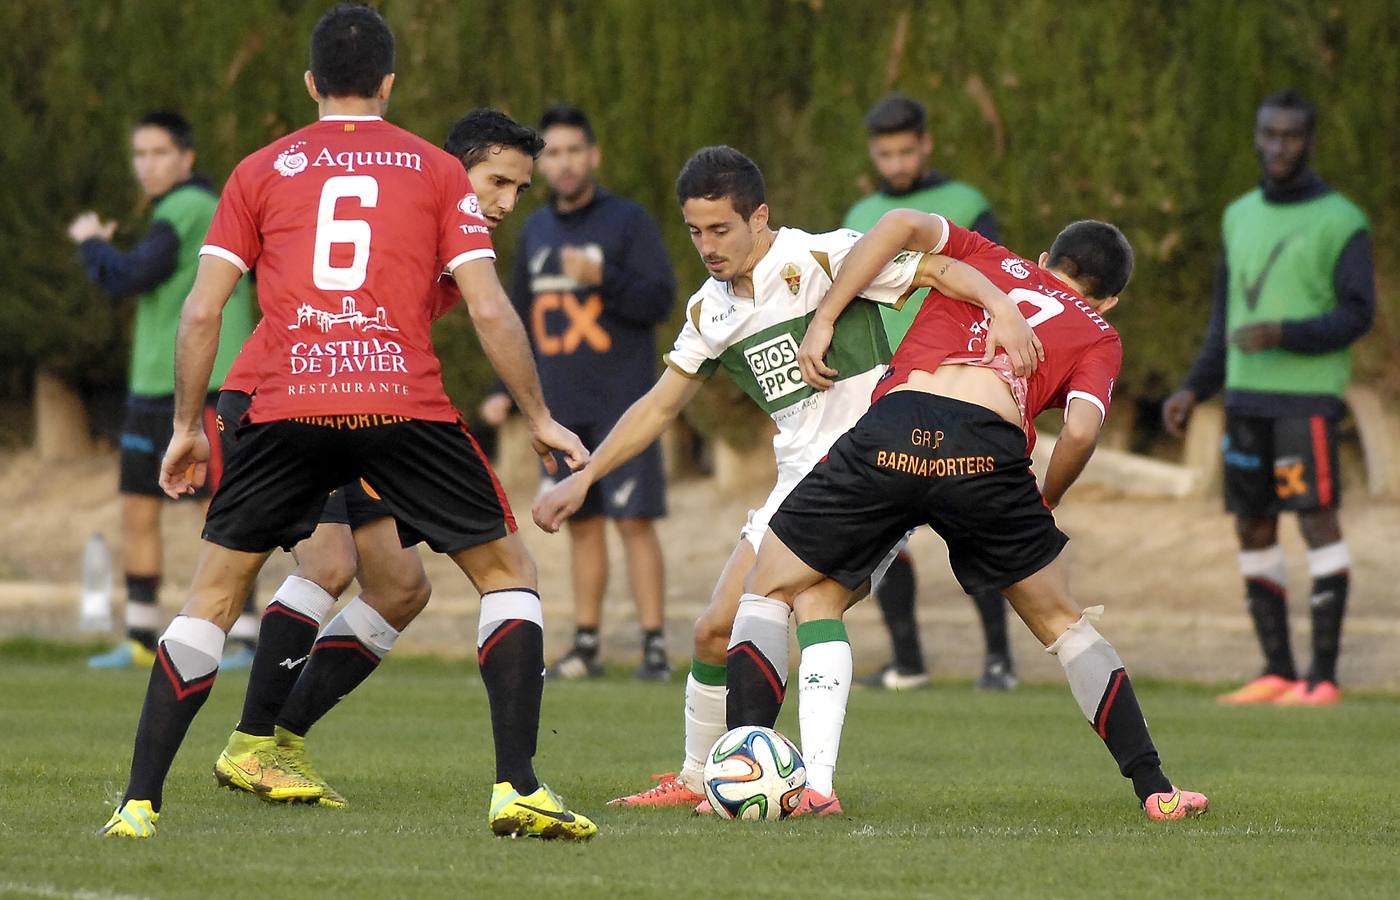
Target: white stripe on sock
point(499, 606)
point(306, 597)
point(369, 626)
point(1329, 560)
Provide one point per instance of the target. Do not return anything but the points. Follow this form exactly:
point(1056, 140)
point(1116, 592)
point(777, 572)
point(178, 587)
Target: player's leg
point(704, 712)
point(1251, 494)
point(634, 497)
point(998, 672)
point(243, 636)
point(896, 595)
point(588, 572)
point(1100, 685)
point(1309, 486)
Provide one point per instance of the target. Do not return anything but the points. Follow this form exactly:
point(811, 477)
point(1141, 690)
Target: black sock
point(143, 590)
point(1268, 607)
point(586, 642)
point(896, 598)
point(756, 665)
point(285, 639)
point(1329, 606)
point(991, 609)
point(510, 652)
point(338, 664)
point(654, 647)
point(1121, 725)
point(187, 660)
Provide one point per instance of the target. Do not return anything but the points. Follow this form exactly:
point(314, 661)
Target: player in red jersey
point(947, 442)
point(349, 221)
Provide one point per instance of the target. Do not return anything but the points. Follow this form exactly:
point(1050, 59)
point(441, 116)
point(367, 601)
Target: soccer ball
point(754, 773)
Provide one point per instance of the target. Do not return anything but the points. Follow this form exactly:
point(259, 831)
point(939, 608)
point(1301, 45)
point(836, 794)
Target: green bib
point(188, 210)
point(956, 201)
point(1281, 259)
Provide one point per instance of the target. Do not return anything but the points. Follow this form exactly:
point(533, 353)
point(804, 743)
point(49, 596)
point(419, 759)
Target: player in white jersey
point(749, 319)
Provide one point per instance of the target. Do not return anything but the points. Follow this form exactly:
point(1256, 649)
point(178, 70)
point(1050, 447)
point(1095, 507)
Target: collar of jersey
point(351, 119)
point(764, 268)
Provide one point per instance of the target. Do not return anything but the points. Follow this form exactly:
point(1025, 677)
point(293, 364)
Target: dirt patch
point(1165, 570)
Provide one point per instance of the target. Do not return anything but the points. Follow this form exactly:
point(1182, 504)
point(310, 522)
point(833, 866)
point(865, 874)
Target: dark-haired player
point(299, 674)
point(349, 221)
point(748, 318)
point(1294, 289)
point(947, 443)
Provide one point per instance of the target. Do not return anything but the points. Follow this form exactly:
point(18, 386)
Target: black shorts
point(431, 476)
point(350, 504)
point(917, 458)
point(1273, 465)
point(634, 490)
point(146, 432)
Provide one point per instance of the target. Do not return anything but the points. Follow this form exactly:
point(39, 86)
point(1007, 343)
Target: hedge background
point(1138, 112)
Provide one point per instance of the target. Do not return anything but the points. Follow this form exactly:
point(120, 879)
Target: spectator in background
point(591, 281)
point(900, 147)
point(159, 270)
point(1293, 290)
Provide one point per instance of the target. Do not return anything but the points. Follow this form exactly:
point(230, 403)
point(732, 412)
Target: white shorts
point(756, 526)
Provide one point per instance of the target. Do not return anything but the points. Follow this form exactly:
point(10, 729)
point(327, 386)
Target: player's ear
point(595, 156)
point(1044, 258)
point(926, 144)
point(385, 88)
point(310, 81)
point(759, 220)
point(1106, 304)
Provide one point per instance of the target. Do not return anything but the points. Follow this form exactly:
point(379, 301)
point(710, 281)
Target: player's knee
point(1256, 533)
point(404, 601)
point(140, 514)
point(712, 636)
point(634, 528)
point(1320, 527)
point(331, 570)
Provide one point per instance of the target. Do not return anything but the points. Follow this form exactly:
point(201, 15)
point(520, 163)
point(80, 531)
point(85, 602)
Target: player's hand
point(186, 463)
point(555, 506)
point(548, 436)
point(88, 225)
point(1257, 337)
point(583, 264)
point(1176, 410)
point(1009, 331)
point(495, 409)
point(811, 356)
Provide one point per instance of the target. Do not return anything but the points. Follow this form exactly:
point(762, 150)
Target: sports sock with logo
point(1265, 582)
point(187, 660)
point(1100, 685)
point(1330, 569)
point(510, 652)
point(756, 666)
point(991, 610)
point(586, 642)
point(245, 629)
point(289, 626)
point(895, 594)
point(142, 609)
point(704, 719)
point(344, 655)
point(823, 688)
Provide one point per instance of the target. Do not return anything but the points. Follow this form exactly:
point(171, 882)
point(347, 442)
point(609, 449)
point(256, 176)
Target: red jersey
point(349, 222)
point(1082, 351)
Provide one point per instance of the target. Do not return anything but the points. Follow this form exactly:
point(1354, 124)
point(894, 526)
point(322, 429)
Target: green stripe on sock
point(707, 673)
point(821, 631)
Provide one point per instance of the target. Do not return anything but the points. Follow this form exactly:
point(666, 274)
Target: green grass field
point(948, 792)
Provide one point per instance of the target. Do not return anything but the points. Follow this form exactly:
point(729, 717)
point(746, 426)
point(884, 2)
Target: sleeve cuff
point(468, 256)
point(944, 241)
point(1084, 395)
point(226, 255)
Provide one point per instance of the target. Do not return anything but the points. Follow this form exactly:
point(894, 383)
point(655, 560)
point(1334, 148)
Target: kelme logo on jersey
point(1015, 267)
point(291, 161)
point(470, 205)
point(774, 366)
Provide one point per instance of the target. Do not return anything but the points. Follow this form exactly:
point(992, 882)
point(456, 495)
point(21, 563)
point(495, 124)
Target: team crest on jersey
point(470, 205)
point(1015, 267)
point(774, 367)
point(793, 278)
point(291, 161)
point(350, 316)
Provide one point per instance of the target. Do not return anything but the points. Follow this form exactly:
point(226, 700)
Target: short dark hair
point(1096, 255)
point(474, 135)
point(715, 173)
point(176, 125)
point(570, 115)
point(895, 114)
point(352, 49)
point(1289, 98)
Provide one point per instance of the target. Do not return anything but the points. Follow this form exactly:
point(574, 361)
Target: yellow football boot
point(253, 764)
point(133, 819)
point(541, 814)
point(292, 749)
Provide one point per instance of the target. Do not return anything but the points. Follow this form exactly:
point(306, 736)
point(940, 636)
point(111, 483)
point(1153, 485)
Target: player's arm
point(186, 460)
point(1074, 446)
point(506, 346)
point(644, 422)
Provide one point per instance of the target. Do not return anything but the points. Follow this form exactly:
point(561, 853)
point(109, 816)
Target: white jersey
point(756, 339)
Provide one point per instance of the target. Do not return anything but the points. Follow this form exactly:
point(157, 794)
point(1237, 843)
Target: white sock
point(363, 622)
point(704, 723)
point(823, 689)
point(304, 596)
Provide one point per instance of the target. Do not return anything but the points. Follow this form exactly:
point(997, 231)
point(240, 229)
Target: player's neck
point(742, 286)
point(1068, 282)
point(565, 205)
point(350, 106)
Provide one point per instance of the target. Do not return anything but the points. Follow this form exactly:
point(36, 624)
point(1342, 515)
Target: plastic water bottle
point(95, 610)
